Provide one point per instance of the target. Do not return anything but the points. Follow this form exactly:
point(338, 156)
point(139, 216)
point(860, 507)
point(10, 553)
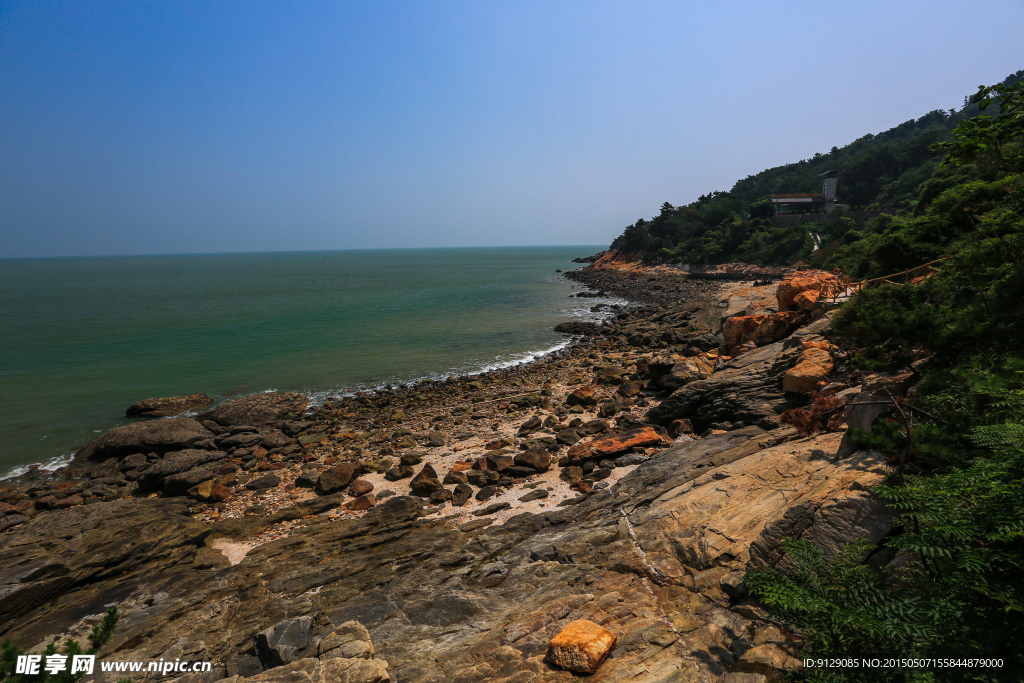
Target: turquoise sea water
point(82, 339)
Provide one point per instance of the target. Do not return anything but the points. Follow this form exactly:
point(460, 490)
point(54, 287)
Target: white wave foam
point(51, 464)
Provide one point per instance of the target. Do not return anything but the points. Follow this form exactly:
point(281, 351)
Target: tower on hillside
point(829, 180)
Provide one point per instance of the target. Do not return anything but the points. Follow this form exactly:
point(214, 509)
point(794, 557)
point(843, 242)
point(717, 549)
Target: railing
point(845, 287)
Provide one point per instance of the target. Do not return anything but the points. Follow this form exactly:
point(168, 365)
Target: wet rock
point(581, 646)
point(258, 409)
point(167, 407)
point(579, 327)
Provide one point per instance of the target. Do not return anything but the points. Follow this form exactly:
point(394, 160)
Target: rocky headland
point(449, 530)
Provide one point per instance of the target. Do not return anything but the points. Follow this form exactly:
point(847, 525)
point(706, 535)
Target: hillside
point(885, 171)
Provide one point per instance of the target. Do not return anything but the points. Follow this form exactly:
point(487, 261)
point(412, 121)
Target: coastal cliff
point(458, 526)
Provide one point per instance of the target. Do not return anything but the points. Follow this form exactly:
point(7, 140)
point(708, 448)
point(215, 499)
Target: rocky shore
point(448, 530)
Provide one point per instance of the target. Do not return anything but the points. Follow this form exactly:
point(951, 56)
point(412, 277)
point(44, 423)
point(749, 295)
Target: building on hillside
point(821, 202)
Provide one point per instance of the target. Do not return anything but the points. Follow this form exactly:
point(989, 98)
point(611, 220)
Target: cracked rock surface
point(648, 558)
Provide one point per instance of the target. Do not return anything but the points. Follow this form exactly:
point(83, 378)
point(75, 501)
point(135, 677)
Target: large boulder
point(746, 390)
point(689, 370)
point(810, 371)
point(616, 444)
point(159, 436)
point(175, 463)
point(258, 409)
point(579, 327)
point(800, 290)
point(425, 483)
point(279, 644)
point(337, 478)
point(581, 646)
point(166, 407)
point(760, 329)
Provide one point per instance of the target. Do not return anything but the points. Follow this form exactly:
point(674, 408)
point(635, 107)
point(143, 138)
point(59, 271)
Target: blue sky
point(178, 127)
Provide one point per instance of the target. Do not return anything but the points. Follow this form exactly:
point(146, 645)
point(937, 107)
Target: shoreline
point(50, 464)
point(462, 522)
point(486, 419)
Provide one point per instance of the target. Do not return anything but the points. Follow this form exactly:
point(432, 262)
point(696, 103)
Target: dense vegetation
point(957, 587)
point(884, 171)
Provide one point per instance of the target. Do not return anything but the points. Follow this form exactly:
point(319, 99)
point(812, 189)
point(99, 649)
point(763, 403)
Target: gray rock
point(266, 481)
point(166, 407)
point(279, 644)
point(159, 436)
point(461, 494)
point(153, 476)
point(246, 665)
point(538, 494)
point(258, 409)
point(178, 484)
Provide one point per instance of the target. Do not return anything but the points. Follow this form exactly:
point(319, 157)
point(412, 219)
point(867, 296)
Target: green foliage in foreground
point(956, 587)
point(99, 636)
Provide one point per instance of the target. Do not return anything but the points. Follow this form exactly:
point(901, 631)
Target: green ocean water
point(82, 339)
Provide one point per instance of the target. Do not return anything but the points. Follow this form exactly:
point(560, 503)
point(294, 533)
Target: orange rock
point(359, 487)
point(760, 329)
point(219, 493)
point(813, 366)
point(823, 345)
point(581, 646)
point(461, 466)
point(795, 284)
point(615, 444)
point(361, 503)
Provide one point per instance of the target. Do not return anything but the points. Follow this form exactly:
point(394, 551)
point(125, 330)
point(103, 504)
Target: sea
point(81, 339)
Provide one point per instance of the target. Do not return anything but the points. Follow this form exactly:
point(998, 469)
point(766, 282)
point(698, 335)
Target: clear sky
point(143, 127)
